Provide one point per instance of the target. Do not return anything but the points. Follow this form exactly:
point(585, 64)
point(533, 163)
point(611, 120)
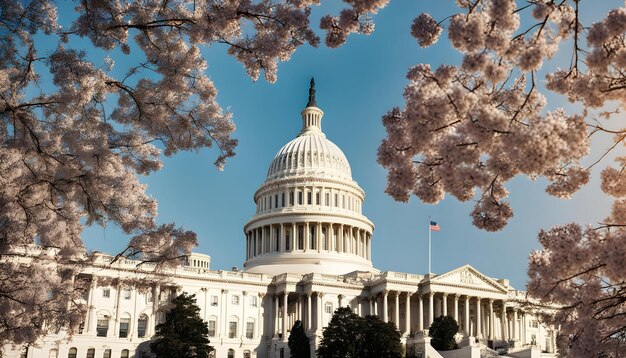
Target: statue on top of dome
point(312, 102)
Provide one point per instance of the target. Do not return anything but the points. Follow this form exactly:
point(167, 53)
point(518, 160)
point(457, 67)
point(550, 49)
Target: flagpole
point(429, 245)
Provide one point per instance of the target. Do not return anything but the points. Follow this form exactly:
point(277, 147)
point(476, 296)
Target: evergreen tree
point(299, 345)
point(380, 339)
point(183, 334)
point(350, 336)
point(340, 339)
point(442, 332)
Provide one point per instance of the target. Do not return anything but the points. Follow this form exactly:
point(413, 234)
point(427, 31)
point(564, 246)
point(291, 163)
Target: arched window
point(212, 354)
point(54, 353)
point(72, 353)
point(246, 354)
point(91, 353)
point(250, 328)
point(106, 353)
point(124, 325)
point(231, 353)
point(142, 325)
point(232, 327)
point(102, 325)
point(124, 353)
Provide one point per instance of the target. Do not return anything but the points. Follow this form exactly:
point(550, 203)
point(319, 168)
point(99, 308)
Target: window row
point(319, 197)
point(91, 353)
point(233, 327)
point(126, 294)
point(253, 300)
point(103, 323)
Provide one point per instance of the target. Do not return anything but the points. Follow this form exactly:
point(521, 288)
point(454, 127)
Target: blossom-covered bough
point(466, 130)
point(74, 137)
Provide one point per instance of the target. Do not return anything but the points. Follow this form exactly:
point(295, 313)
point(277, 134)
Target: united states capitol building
point(308, 252)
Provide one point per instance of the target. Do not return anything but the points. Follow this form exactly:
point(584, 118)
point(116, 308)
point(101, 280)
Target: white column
point(515, 323)
point(318, 324)
point(479, 332)
point(155, 307)
point(420, 311)
point(467, 316)
point(385, 307)
point(92, 319)
point(505, 324)
point(318, 237)
point(340, 247)
point(259, 323)
point(276, 314)
point(224, 311)
point(307, 236)
point(244, 319)
point(491, 316)
point(456, 308)
point(308, 310)
point(397, 310)
point(116, 322)
point(431, 311)
point(292, 247)
point(375, 299)
point(407, 314)
point(285, 306)
point(444, 303)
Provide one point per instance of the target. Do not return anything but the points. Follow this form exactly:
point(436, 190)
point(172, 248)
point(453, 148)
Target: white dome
point(309, 210)
point(310, 153)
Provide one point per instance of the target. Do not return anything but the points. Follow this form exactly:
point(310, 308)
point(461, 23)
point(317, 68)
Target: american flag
point(434, 226)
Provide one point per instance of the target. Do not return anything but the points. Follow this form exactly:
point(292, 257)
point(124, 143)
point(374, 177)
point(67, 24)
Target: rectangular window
point(106, 292)
point(291, 198)
point(253, 300)
point(328, 308)
point(106, 353)
point(214, 300)
point(212, 325)
point(336, 200)
point(534, 324)
point(232, 329)
point(283, 200)
point(312, 240)
point(287, 241)
point(124, 323)
point(275, 200)
point(102, 327)
point(126, 294)
point(235, 300)
point(326, 198)
point(250, 330)
point(317, 199)
point(142, 324)
point(270, 200)
point(308, 198)
point(343, 201)
point(299, 198)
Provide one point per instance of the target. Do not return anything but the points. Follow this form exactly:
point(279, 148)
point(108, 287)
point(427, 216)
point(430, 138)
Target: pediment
point(469, 277)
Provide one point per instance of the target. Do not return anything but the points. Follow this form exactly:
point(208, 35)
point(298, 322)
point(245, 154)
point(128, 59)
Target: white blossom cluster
point(71, 150)
point(466, 130)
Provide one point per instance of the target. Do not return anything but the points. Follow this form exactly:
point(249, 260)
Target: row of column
point(308, 237)
point(480, 323)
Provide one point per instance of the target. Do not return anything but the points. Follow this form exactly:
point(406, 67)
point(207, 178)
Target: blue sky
point(356, 85)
